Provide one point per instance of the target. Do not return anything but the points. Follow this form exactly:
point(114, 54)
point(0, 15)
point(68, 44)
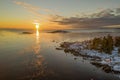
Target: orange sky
point(24, 13)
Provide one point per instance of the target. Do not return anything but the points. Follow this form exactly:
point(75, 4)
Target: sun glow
point(37, 25)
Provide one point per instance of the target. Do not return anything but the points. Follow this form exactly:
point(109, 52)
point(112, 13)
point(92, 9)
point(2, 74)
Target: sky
point(59, 14)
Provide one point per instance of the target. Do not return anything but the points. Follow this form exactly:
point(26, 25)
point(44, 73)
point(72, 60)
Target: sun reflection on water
point(37, 46)
point(37, 35)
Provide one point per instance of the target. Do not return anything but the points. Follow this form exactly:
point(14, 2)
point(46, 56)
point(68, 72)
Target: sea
point(35, 57)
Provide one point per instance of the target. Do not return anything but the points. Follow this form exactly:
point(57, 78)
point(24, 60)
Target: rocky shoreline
point(108, 62)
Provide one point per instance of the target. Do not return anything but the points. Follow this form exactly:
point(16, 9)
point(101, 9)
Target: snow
point(116, 68)
point(112, 60)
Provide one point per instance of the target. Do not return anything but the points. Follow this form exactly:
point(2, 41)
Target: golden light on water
point(37, 33)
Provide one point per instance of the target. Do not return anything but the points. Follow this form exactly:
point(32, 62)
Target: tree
point(104, 44)
point(117, 41)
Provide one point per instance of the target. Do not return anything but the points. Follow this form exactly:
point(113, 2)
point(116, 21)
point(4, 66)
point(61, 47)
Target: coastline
point(108, 62)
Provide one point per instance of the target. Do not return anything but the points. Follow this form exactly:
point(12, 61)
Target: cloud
point(118, 10)
point(104, 17)
point(99, 19)
point(27, 6)
point(38, 12)
point(104, 13)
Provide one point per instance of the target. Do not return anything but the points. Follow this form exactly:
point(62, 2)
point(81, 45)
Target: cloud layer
point(106, 17)
point(39, 13)
point(99, 19)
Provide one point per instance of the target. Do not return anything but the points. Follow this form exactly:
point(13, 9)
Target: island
point(27, 32)
point(59, 31)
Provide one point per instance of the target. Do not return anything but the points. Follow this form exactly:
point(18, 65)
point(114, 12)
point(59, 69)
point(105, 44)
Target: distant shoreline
point(59, 31)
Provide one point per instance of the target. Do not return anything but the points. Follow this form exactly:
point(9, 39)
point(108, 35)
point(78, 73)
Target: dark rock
point(75, 58)
point(27, 32)
point(59, 31)
point(59, 49)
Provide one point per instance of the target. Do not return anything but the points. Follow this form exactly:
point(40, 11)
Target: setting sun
point(37, 25)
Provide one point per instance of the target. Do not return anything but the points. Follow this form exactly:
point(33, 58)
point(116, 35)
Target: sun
point(37, 25)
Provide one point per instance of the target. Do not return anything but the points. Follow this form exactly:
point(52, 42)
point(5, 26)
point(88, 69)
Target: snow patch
point(112, 60)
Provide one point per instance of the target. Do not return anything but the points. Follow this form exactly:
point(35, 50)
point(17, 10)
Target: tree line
point(105, 44)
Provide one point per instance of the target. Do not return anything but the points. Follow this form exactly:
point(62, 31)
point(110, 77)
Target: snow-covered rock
point(116, 67)
point(112, 60)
